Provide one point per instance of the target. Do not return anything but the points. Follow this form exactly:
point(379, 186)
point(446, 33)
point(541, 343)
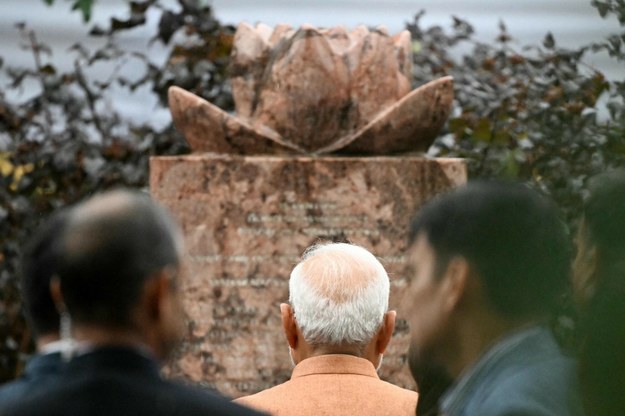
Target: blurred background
point(572, 22)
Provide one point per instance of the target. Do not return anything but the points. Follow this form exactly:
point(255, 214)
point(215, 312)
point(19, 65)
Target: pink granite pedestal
point(247, 220)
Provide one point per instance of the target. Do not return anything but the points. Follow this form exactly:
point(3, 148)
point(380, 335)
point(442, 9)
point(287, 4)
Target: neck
point(335, 349)
point(476, 336)
point(367, 352)
point(101, 337)
point(46, 339)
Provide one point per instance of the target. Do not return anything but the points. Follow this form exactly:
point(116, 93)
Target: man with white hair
point(337, 326)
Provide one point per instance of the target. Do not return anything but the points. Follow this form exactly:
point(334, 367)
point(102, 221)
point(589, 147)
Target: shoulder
point(399, 397)
point(41, 372)
point(110, 395)
point(266, 399)
point(545, 387)
point(185, 399)
point(395, 392)
point(534, 378)
point(13, 391)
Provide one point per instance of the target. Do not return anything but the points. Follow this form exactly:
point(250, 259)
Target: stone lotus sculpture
point(316, 91)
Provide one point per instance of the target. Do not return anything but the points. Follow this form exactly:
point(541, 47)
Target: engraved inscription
point(318, 219)
point(246, 223)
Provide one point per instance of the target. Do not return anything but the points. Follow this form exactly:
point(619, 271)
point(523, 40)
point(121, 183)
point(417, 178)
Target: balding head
point(339, 295)
point(113, 244)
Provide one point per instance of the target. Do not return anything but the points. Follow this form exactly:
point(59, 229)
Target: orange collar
point(334, 364)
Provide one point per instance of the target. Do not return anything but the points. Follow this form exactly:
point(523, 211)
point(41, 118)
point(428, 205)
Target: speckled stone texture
point(246, 221)
point(317, 91)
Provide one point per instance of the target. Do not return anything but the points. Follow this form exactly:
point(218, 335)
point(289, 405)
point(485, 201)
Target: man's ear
point(585, 274)
point(156, 291)
point(289, 325)
point(455, 282)
point(56, 294)
point(386, 332)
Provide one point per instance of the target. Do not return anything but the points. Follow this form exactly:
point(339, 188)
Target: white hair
point(339, 294)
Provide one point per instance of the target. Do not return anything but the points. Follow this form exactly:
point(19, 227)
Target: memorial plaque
point(247, 220)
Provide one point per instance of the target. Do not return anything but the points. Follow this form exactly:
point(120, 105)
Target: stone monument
point(324, 145)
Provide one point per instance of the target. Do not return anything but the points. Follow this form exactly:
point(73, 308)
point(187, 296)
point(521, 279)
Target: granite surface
point(246, 221)
point(317, 91)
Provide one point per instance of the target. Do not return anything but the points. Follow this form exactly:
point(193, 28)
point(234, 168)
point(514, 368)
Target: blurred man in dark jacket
point(39, 263)
point(119, 275)
point(599, 283)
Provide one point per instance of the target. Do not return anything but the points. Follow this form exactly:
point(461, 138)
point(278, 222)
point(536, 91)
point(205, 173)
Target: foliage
point(66, 141)
point(84, 6)
point(532, 113)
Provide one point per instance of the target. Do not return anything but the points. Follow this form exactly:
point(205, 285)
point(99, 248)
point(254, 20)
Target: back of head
point(602, 357)
point(604, 215)
point(39, 263)
point(512, 238)
point(339, 293)
point(114, 242)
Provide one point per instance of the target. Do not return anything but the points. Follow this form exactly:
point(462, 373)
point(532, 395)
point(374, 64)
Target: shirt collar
point(455, 399)
point(55, 346)
point(334, 364)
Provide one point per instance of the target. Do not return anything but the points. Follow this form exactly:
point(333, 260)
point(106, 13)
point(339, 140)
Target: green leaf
point(47, 69)
point(416, 46)
point(458, 126)
point(549, 42)
point(48, 2)
point(482, 130)
point(510, 165)
point(84, 6)
point(602, 7)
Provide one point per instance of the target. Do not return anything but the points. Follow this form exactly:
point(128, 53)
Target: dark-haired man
point(39, 263)
point(119, 270)
point(487, 264)
point(599, 283)
point(601, 236)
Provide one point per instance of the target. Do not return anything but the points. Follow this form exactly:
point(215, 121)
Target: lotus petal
point(250, 53)
point(305, 96)
point(374, 83)
point(318, 91)
point(403, 51)
point(208, 128)
point(411, 124)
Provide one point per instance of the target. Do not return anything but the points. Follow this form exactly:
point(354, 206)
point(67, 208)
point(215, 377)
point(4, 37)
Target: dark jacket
point(40, 373)
point(525, 374)
point(117, 381)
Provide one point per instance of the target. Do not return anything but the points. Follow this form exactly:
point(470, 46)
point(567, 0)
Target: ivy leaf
point(84, 6)
point(549, 42)
point(482, 131)
point(168, 25)
point(47, 69)
point(97, 31)
point(118, 24)
point(140, 7)
point(602, 7)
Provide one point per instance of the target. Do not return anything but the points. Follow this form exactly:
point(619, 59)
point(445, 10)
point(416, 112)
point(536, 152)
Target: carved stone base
point(247, 220)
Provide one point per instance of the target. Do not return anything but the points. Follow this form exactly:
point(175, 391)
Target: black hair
point(602, 358)
point(604, 215)
point(39, 263)
point(602, 328)
point(109, 253)
point(512, 237)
